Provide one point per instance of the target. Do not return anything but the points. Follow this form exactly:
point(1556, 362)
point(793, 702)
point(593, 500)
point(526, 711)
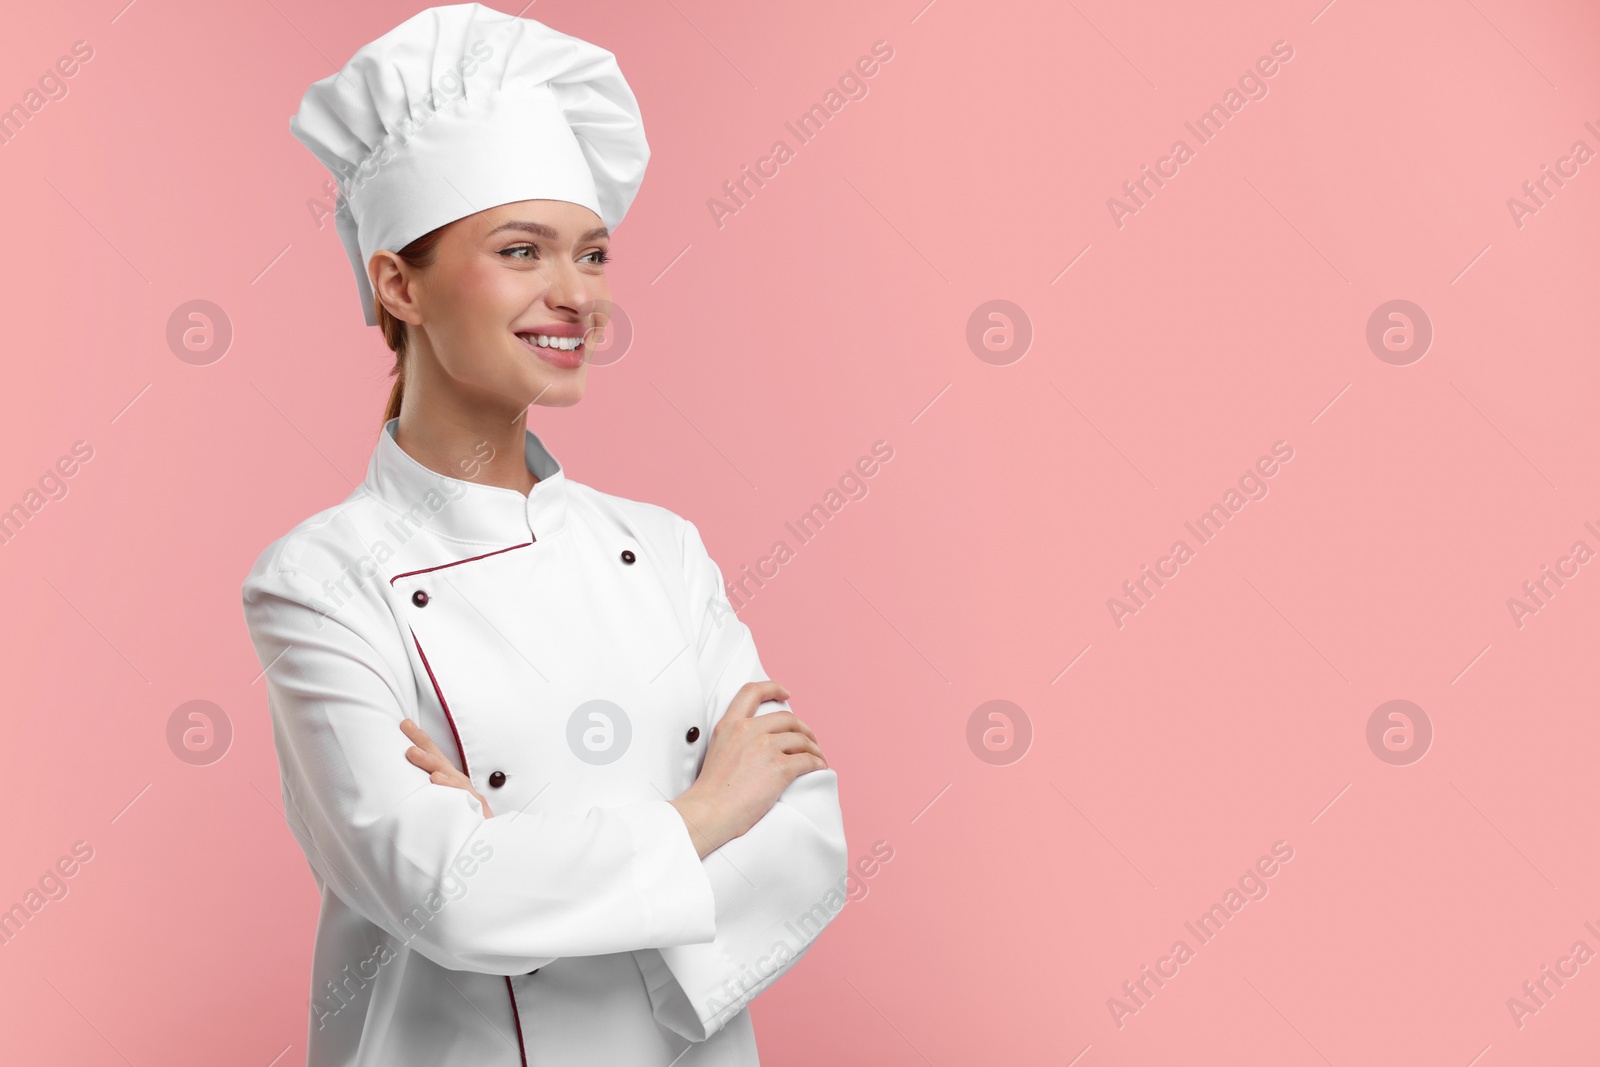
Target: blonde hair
point(419, 254)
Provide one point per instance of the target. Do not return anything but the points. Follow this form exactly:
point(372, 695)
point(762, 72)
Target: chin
point(561, 392)
point(566, 400)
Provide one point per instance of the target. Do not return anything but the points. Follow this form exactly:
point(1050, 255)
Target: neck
point(475, 444)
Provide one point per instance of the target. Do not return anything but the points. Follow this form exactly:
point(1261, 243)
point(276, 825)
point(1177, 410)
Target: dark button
point(628, 556)
point(420, 598)
point(497, 779)
point(693, 735)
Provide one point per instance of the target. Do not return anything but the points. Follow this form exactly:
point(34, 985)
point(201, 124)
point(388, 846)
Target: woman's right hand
point(750, 761)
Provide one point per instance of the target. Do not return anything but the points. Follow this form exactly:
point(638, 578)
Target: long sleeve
point(503, 895)
point(777, 885)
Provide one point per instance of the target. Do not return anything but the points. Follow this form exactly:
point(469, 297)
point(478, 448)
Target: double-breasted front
point(572, 650)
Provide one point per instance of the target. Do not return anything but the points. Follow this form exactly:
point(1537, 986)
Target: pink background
point(830, 312)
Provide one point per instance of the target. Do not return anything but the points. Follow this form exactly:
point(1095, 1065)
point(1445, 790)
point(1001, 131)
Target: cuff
point(669, 875)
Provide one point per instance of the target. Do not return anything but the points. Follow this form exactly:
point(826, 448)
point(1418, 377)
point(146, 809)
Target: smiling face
point(504, 315)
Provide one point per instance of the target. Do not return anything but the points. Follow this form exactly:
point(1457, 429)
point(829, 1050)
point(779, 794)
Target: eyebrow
point(549, 234)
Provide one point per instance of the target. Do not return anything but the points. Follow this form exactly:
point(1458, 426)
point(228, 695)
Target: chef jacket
point(573, 650)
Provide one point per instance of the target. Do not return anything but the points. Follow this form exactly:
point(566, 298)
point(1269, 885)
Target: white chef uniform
point(572, 650)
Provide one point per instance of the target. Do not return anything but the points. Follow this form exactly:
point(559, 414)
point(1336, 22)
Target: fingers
point(441, 771)
point(425, 754)
point(803, 763)
point(751, 695)
point(458, 781)
point(420, 738)
point(792, 735)
point(782, 722)
point(434, 765)
point(792, 743)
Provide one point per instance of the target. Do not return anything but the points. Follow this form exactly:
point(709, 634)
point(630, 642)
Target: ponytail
point(398, 390)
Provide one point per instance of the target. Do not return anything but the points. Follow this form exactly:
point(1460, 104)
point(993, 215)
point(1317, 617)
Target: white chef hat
point(460, 109)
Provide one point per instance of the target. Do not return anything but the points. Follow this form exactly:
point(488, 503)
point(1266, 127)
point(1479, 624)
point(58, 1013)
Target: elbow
point(839, 849)
point(462, 925)
point(816, 796)
point(833, 857)
point(458, 940)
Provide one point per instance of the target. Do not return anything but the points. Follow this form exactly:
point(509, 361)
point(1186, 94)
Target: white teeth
point(543, 340)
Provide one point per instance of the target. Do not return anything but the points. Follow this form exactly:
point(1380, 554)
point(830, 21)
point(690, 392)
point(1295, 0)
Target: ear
point(392, 282)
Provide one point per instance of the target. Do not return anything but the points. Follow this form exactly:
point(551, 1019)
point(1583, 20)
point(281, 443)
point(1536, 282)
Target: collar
point(470, 511)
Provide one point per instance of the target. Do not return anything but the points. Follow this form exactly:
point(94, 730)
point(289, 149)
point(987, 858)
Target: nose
point(571, 289)
point(583, 297)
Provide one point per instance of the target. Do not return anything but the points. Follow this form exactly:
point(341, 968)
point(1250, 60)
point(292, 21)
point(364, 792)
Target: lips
point(566, 359)
point(555, 329)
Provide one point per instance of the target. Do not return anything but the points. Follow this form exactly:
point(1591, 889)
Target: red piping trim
point(458, 562)
point(516, 1017)
point(451, 719)
point(461, 749)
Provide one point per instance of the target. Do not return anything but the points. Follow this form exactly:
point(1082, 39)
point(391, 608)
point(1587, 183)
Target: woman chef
point(622, 834)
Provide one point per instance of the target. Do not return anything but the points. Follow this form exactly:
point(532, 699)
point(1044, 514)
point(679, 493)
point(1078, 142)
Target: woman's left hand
point(425, 754)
